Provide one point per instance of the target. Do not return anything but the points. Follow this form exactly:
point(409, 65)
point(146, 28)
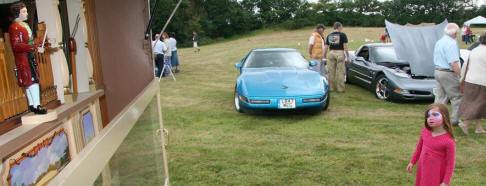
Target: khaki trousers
point(337, 69)
point(447, 88)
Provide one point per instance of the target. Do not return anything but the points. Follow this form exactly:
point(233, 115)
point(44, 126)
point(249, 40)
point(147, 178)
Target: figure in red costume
point(23, 48)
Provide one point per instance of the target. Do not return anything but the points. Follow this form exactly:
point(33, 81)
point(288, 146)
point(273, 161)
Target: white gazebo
point(480, 20)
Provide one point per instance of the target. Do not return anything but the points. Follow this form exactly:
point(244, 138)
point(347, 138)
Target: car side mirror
point(312, 63)
point(360, 59)
point(238, 65)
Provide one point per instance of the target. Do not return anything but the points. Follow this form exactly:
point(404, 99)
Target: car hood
point(408, 83)
point(416, 45)
point(282, 82)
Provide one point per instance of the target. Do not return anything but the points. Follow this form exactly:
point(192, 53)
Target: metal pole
point(170, 18)
point(151, 19)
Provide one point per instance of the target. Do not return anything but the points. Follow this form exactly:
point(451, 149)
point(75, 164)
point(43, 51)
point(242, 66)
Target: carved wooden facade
point(12, 98)
point(89, 14)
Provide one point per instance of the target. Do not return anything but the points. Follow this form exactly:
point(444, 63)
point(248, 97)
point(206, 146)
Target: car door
point(359, 71)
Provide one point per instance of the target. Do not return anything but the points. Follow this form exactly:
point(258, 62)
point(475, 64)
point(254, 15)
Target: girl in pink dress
point(436, 149)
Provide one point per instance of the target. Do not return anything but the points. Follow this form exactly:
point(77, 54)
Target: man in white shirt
point(174, 57)
point(158, 48)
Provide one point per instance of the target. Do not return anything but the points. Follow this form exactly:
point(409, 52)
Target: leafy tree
point(225, 18)
point(417, 11)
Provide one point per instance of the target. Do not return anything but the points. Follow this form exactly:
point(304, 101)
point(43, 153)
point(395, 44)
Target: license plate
point(286, 104)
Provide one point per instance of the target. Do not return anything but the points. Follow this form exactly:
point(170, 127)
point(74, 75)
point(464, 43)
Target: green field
point(358, 141)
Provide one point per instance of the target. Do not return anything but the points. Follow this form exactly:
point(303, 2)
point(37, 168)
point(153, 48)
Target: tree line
point(216, 19)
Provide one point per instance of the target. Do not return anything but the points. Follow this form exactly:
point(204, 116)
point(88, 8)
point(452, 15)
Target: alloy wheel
point(381, 89)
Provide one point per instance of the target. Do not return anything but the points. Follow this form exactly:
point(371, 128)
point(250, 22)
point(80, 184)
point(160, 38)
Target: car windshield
point(262, 59)
point(385, 55)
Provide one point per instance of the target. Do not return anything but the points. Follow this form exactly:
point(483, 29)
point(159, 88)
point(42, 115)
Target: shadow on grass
point(414, 102)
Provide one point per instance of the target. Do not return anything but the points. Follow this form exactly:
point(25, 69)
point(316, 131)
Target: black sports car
point(376, 67)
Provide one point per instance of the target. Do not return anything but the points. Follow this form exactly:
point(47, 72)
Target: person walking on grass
point(436, 149)
point(385, 36)
point(174, 57)
point(469, 35)
point(473, 106)
point(337, 43)
point(158, 49)
point(195, 38)
point(167, 54)
point(316, 49)
point(448, 70)
point(463, 33)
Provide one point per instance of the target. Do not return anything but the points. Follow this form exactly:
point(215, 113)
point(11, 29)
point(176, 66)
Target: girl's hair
point(165, 35)
point(445, 117)
point(15, 9)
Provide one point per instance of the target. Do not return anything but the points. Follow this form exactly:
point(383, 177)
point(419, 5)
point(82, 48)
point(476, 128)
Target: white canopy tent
point(480, 20)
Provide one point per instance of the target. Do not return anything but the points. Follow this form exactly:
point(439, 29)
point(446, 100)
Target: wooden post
point(72, 56)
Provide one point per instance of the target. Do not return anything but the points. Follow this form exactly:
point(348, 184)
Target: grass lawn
point(358, 141)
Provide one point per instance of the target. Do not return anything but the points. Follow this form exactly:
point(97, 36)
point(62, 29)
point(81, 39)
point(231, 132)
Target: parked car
point(375, 66)
point(279, 79)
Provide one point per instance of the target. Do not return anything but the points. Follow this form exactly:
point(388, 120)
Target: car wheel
point(382, 91)
point(237, 103)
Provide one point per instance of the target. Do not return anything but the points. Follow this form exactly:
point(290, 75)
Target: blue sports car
point(279, 79)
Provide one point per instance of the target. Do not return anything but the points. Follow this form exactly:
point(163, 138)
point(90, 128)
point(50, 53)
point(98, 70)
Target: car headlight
point(310, 100)
point(243, 98)
point(401, 91)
